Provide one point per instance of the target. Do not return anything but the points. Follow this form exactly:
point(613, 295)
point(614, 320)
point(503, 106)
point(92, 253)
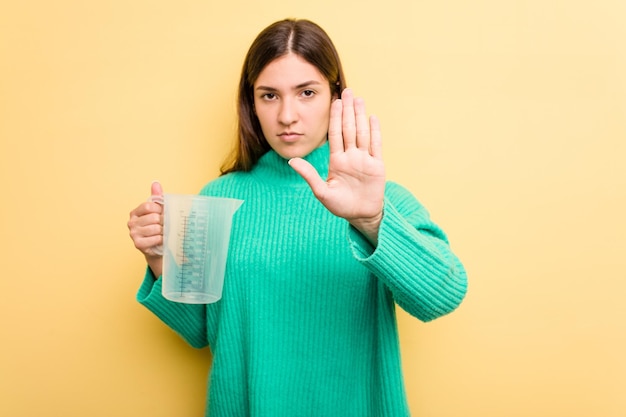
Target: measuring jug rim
point(213, 197)
point(221, 203)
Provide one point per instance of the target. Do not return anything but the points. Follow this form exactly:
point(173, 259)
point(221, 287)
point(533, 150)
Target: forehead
point(289, 71)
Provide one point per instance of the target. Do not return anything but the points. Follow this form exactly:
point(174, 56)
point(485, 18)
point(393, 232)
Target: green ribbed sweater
point(306, 325)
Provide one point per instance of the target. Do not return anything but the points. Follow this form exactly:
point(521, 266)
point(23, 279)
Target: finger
point(362, 125)
point(348, 121)
point(156, 188)
point(149, 219)
point(310, 175)
point(150, 230)
point(145, 208)
point(335, 138)
point(153, 205)
point(148, 244)
point(140, 233)
point(376, 142)
point(156, 192)
point(147, 229)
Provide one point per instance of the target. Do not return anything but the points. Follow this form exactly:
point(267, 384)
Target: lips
point(290, 136)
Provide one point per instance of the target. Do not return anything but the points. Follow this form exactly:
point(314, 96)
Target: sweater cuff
point(426, 279)
point(361, 247)
point(188, 320)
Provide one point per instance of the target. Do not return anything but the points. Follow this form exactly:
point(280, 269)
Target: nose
point(288, 112)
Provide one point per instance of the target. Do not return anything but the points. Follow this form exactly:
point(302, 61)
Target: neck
point(273, 167)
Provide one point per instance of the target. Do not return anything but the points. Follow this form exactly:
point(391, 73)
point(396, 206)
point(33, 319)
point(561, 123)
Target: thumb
point(156, 189)
point(310, 175)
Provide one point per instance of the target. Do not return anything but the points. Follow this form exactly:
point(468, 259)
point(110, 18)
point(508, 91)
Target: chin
point(289, 152)
point(293, 153)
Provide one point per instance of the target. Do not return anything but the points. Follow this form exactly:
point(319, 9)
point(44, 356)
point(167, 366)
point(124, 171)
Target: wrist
point(155, 263)
point(369, 226)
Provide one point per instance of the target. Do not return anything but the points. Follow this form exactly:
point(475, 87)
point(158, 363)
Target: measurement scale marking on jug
point(191, 253)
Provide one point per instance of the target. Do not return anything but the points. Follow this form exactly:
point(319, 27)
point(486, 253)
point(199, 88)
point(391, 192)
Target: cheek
point(263, 118)
point(323, 118)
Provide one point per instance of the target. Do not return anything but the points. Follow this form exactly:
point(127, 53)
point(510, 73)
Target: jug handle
point(158, 249)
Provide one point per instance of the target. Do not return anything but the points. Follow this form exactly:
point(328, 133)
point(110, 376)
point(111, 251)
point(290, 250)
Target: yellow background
point(506, 118)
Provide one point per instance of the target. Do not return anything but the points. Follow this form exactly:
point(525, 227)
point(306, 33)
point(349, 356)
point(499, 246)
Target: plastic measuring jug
point(196, 234)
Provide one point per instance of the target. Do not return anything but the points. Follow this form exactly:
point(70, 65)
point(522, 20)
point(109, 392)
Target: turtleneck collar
point(274, 169)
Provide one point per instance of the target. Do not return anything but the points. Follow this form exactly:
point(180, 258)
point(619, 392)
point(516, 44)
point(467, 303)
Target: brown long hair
point(301, 37)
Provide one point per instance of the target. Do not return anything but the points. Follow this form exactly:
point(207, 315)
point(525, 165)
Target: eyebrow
point(297, 87)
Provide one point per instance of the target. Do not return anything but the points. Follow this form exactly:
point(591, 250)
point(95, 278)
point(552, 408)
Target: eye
point(268, 96)
point(308, 93)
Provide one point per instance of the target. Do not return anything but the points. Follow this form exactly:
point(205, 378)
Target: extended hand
point(355, 185)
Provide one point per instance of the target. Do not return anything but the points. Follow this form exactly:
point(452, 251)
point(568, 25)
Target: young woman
point(320, 253)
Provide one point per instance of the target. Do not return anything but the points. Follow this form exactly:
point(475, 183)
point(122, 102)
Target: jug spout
point(228, 206)
point(235, 204)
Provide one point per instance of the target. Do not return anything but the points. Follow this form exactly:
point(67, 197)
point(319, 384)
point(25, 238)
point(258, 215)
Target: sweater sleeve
point(413, 258)
point(188, 320)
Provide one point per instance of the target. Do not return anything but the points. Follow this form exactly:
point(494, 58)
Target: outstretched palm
point(355, 185)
